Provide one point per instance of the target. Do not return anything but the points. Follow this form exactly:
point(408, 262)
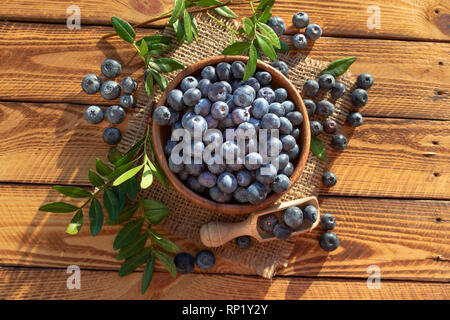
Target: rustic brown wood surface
point(392, 201)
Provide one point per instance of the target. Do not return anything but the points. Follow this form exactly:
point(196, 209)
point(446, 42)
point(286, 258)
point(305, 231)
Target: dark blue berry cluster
point(185, 262)
point(313, 31)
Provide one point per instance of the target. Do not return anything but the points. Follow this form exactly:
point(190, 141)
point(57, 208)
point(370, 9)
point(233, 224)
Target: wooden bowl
point(161, 134)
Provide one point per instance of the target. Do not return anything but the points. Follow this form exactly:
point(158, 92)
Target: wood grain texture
point(406, 239)
point(28, 283)
point(399, 19)
point(46, 63)
point(52, 143)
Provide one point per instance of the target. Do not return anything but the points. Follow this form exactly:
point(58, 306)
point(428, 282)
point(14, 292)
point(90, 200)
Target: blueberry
point(191, 97)
point(330, 126)
point(299, 41)
point(244, 96)
point(241, 195)
point(310, 214)
point(234, 166)
point(91, 84)
point(296, 133)
point(115, 114)
point(175, 167)
point(339, 142)
point(236, 84)
point(194, 185)
point(326, 82)
point(263, 77)
point(209, 73)
point(175, 99)
point(170, 144)
point(207, 179)
point(364, 81)
point(187, 83)
point(183, 175)
point(230, 151)
point(246, 129)
point(282, 231)
point(329, 179)
point(281, 66)
point(216, 168)
point(129, 85)
point(184, 262)
point(186, 117)
point(328, 241)
point(266, 174)
point(196, 125)
point(359, 98)
point(194, 149)
point(256, 193)
point(243, 242)
point(254, 83)
point(219, 110)
point(260, 108)
point(227, 122)
point(277, 24)
point(238, 69)
point(328, 222)
point(213, 136)
point(244, 178)
point(253, 161)
point(127, 101)
point(280, 95)
point(203, 107)
point(273, 147)
point(311, 88)
point(310, 106)
point(355, 119)
point(229, 101)
point(338, 90)
point(294, 152)
point(205, 260)
point(227, 182)
point(277, 109)
point(325, 108)
point(111, 68)
point(293, 217)
point(112, 135)
point(295, 117)
point(217, 92)
point(218, 195)
point(94, 114)
point(285, 126)
point(316, 127)
point(256, 123)
point(270, 121)
point(203, 86)
point(223, 71)
point(313, 32)
point(161, 115)
point(267, 222)
point(267, 93)
point(288, 170)
point(281, 161)
point(300, 20)
point(110, 90)
point(240, 115)
point(288, 142)
point(288, 106)
point(281, 183)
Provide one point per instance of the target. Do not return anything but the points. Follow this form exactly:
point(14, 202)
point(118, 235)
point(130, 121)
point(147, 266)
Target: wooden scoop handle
point(215, 233)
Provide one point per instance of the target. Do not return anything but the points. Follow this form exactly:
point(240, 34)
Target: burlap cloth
point(185, 218)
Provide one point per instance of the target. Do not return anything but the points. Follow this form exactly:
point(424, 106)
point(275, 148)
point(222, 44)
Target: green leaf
point(130, 153)
point(194, 27)
point(130, 187)
point(155, 38)
point(148, 273)
point(179, 31)
point(251, 64)
point(265, 15)
point(159, 173)
point(143, 48)
point(120, 170)
point(72, 192)
point(135, 262)
point(225, 12)
point(269, 33)
point(236, 48)
point(338, 67)
point(284, 47)
point(187, 26)
point(111, 203)
point(165, 244)
point(157, 49)
point(207, 3)
point(248, 26)
point(127, 175)
point(147, 177)
point(265, 4)
point(177, 11)
point(58, 207)
point(154, 210)
point(76, 223)
point(125, 214)
point(160, 79)
point(132, 248)
point(167, 262)
point(95, 217)
point(95, 179)
point(114, 154)
point(266, 46)
point(167, 64)
point(102, 168)
point(123, 29)
point(128, 233)
point(318, 149)
point(121, 196)
point(149, 84)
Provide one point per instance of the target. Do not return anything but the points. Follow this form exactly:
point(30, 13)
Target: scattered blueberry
point(338, 90)
point(127, 101)
point(299, 41)
point(316, 127)
point(339, 142)
point(355, 119)
point(328, 241)
point(326, 82)
point(277, 24)
point(311, 88)
point(94, 114)
point(359, 98)
point(91, 84)
point(330, 126)
point(110, 90)
point(129, 85)
point(364, 81)
point(161, 115)
point(112, 135)
point(313, 32)
point(325, 108)
point(205, 260)
point(310, 106)
point(310, 214)
point(115, 114)
point(329, 179)
point(281, 66)
point(111, 68)
point(300, 20)
point(328, 222)
point(175, 99)
point(184, 262)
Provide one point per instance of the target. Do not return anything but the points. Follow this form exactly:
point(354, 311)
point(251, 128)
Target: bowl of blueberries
point(229, 145)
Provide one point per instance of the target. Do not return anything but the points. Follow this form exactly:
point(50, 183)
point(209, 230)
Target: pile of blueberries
point(110, 90)
point(220, 99)
point(185, 262)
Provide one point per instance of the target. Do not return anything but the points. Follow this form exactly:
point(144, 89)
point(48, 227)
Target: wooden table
point(391, 201)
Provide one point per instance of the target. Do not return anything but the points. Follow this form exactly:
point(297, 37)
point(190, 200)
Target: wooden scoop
point(215, 233)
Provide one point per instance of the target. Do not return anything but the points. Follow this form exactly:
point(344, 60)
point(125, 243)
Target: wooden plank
point(46, 63)
point(52, 143)
point(398, 19)
point(26, 283)
point(406, 239)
